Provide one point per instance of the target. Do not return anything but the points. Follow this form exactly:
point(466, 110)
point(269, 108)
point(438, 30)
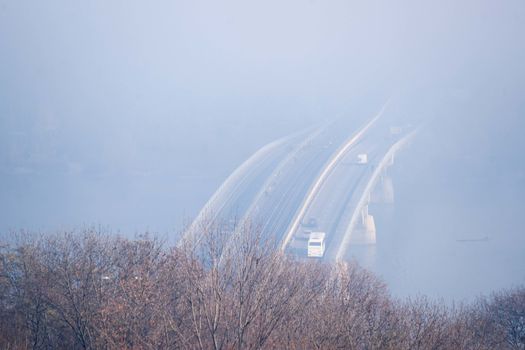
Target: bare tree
point(424, 324)
point(501, 318)
point(226, 288)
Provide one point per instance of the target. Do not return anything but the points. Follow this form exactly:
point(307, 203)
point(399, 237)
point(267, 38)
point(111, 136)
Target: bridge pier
point(383, 192)
point(379, 189)
point(365, 232)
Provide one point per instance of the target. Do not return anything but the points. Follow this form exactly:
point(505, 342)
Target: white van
point(316, 244)
point(362, 158)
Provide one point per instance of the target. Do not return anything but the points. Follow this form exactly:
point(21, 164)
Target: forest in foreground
point(93, 290)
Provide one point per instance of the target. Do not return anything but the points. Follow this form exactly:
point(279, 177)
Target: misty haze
point(377, 137)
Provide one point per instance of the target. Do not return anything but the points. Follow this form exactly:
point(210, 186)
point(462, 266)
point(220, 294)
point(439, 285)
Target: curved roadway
point(307, 177)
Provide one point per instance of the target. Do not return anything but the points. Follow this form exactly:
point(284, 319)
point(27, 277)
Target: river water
point(448, 237)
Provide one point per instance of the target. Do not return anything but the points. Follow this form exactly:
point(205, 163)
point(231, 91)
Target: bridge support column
point(365, 232)
point(383, 192)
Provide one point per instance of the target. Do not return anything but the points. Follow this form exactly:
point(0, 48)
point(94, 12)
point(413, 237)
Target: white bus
point(316, 244)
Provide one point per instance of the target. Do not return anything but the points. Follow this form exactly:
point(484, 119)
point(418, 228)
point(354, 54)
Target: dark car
point(312, 222)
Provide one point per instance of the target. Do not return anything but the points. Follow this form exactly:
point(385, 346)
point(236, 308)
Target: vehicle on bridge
point(362, 158)
point(316, 244)
point(395, 130)
point(311, 223)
